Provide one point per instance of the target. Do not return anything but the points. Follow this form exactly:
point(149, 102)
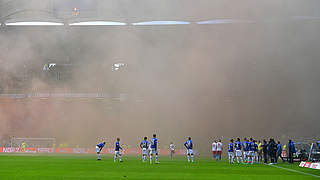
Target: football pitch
point(53, 166)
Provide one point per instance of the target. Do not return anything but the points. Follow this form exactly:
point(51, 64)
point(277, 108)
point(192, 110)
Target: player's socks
point(115, 158)
point(157, 158)
point(238, 159)
point(150, 159)
point(188, 158)
point(99, 157)
point(120, 158)
point(241, 160)
point(192, 157)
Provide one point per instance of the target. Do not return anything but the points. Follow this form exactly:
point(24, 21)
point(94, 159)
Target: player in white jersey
point(149, 149)
point(219, 149)
point(214, 150)
point(172, 149)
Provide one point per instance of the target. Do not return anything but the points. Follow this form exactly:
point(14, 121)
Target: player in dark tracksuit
point(292, 150)
point(273, 147)
point(265, 151)
point(272, 150)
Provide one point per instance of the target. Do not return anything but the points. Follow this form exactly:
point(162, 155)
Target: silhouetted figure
point(273, 150)
point(265, 151)
point(291, 150)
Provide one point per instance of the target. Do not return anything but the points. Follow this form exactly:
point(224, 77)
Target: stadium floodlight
point(34, 23)
point(150, 23)
point(226, 21)
point(118, 66)
point(98, 23)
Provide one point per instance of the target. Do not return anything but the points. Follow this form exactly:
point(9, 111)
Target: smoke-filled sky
point(206, 81)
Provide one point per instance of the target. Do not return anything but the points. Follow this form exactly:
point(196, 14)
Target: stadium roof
point(34, 23)
point(144, 12)
point(98, 23)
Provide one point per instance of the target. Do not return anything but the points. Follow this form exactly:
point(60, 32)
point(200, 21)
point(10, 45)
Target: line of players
point(146, 146)
point(249, 148)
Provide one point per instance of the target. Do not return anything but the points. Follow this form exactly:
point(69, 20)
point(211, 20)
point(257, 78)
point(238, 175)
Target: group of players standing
point(148, 148)
point(249, 149)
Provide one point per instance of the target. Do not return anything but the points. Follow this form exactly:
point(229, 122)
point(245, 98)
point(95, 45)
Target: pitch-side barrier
point(310, 165)
point(132, 151)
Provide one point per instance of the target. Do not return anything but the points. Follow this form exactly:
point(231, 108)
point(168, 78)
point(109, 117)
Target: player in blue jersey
point(238, 147)
point(251, 146)
point(255, 156)
point(99, 148)
point(245, 145)
point(188, 144)
point(230, 151)
point(117, 151)
point(154, 148)
point(144, 146)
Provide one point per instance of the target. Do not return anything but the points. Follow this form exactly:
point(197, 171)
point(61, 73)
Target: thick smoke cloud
point(204, 81)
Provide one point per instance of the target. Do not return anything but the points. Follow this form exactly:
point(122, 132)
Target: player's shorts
point(231, 154)
point(154, 151)
point(172, 151)
point(144, 151)
point(250, 153)
point(97, 149)
point(238, 153)
point(189, 151)
point(255, 153)
point(117, 153)
point(219, 152)
point(246, 153)
point(214, 152)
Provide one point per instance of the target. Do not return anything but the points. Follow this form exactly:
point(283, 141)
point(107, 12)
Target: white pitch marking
point(295, 171)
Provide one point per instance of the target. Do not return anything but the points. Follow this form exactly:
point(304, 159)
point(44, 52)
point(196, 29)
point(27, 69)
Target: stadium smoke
point(205, 81)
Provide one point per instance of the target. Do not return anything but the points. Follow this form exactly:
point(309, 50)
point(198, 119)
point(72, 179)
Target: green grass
point(22, 166)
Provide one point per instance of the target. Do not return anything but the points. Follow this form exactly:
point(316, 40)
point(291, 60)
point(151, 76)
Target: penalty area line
point(292, 170)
